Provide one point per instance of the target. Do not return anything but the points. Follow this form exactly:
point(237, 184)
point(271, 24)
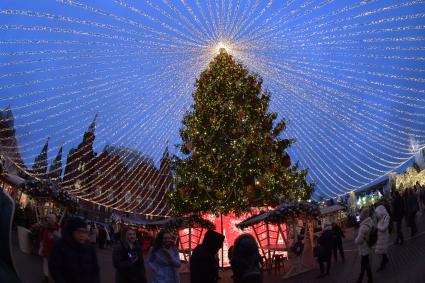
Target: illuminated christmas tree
point(234, 157)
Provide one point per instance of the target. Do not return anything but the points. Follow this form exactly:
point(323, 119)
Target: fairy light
point(348, 78)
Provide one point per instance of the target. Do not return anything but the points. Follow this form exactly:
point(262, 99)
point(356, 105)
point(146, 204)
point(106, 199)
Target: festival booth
point(409, 179)
point(333, 213)
point(40, 197)
point(293, 224)
point(188, 229)
point(48, 198)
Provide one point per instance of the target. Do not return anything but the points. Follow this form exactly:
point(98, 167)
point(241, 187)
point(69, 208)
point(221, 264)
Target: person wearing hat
point(203, 262)
point(73, 259)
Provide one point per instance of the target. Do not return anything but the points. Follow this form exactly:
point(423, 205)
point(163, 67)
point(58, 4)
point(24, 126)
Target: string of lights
point(349, 77)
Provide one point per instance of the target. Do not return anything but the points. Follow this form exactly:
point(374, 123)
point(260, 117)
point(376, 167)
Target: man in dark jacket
point(73, 259)
point(326, 243)
point(128, 261)
point(411, 209)
point(203, 263)
point(397, 209)
point(7, 269)
point(337, 245)
point(102, 237)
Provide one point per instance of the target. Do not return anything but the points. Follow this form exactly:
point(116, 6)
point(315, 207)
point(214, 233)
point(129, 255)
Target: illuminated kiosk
point(291, 221)
point(189, 231)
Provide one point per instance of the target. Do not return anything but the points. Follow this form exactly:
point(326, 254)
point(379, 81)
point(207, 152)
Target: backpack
point(373, 236)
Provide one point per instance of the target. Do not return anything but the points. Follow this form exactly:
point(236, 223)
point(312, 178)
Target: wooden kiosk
point(189, 231)
point(291, 221)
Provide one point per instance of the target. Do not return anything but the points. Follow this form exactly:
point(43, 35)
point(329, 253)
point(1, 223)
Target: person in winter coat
point(397, 207)
point(102, 237)
point(246, 260)
point(338, 235)
point(412, 209)
point(366, 224)
point(326, 242)
point(127, 258)
point(164, 259)
point(73, 259)
point(383, 235)
point(203, 263)
point(49, 233)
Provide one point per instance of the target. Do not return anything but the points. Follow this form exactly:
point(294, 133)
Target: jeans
point(365, 266)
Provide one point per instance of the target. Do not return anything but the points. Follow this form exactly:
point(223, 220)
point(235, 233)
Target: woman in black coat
point(127, 258)
point(73, 259)
point(326, 243)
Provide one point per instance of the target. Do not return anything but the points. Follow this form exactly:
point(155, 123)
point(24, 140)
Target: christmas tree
point(234, 157)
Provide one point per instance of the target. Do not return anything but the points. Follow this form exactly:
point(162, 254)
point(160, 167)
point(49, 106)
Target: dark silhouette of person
point(73, 258)
point(203, 263)
point(338, 235)
point(246, 260)
point(128, 261)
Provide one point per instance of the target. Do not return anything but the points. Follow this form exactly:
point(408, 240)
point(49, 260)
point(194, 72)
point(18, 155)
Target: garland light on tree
point(234, 155)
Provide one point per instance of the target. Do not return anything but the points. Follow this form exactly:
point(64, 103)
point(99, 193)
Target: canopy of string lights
point(107, 83)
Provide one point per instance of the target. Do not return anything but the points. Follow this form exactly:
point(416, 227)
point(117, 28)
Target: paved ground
point(407, 265)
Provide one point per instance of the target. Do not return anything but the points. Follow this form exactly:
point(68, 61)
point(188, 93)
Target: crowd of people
point(69, 253)
point(376, 224)
point(329, 242)
point(70, 256)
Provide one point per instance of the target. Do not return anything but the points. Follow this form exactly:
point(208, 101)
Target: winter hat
point(213, 241)
point(73, 224)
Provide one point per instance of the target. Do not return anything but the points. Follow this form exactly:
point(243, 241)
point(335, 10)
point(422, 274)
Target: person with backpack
point(364, 241)
point(383, 235)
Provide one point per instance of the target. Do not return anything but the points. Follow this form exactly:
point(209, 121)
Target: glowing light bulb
point(222, 47)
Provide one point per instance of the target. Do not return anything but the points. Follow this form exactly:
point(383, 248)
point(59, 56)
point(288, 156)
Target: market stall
point(293, 223)
point(333, 213)
point(188, 229)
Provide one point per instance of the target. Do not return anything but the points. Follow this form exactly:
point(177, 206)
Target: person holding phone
point(128, 261)
point(164, 259)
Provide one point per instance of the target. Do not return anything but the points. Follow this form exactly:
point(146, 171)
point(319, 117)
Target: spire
point(166, 154)
point(165, 166)
point(40, 163)
point(55, 171)
point(92, 126)
point(89, 135)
